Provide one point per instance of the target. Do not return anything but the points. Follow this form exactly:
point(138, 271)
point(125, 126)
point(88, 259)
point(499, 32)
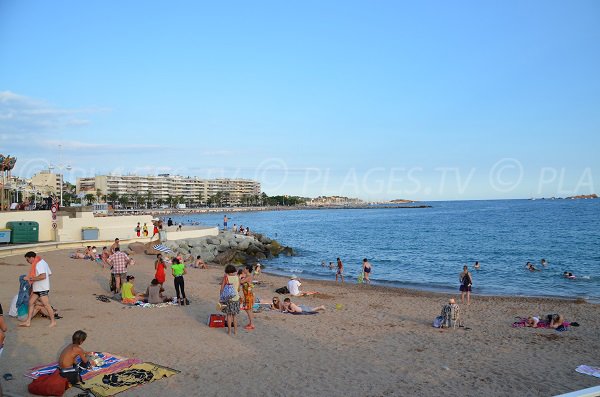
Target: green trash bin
point(24, 232)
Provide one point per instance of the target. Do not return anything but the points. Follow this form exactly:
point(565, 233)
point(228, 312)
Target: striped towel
point(111, 364)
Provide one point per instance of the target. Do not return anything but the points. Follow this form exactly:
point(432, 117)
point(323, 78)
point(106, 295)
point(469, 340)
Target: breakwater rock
point(229, 247)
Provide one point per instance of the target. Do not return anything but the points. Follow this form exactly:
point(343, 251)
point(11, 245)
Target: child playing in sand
point(67, 363)
point(257, 271)
point(199, 263)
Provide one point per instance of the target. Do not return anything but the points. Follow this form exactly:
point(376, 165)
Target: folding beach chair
point(451, 315)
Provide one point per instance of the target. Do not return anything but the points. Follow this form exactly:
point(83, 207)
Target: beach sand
point(370, 341)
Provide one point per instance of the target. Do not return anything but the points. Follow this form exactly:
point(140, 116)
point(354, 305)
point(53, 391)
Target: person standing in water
point(466, 281)
point(366, 270)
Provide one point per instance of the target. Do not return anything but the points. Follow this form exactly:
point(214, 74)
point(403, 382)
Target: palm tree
point(124, 200)
point(98, 195)
point(135, 197)
point(149, 197)
point(113, 198)
point(90, 198)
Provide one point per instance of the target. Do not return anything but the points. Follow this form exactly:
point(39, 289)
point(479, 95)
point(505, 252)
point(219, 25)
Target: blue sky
point(372, 99)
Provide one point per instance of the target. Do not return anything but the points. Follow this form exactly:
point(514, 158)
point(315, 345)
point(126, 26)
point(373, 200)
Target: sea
point(426, 248)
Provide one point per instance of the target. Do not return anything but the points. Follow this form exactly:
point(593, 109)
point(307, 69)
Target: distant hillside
point(401, 201)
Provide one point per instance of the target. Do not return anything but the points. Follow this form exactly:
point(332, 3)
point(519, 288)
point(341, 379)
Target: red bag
point(216, 321)
point(49, 385)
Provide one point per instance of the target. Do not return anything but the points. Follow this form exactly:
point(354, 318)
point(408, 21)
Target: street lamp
point(60, 167)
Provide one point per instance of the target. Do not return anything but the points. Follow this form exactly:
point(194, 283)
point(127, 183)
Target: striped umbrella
point(162, 248)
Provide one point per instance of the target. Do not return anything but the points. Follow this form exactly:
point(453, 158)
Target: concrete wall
point(44, 218)
point(110, 227)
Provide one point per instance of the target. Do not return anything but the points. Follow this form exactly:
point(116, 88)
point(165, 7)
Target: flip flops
point(8, 376)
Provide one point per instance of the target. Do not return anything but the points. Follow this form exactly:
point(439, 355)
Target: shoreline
point(438, 293)
point(185, 211)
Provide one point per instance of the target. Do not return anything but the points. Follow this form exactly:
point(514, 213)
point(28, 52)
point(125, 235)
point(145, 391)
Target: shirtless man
point(289, 306)
point(67, 363)
point(340, 270)
point(116, 244)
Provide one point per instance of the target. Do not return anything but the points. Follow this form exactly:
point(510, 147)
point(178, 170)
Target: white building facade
point(153, 189)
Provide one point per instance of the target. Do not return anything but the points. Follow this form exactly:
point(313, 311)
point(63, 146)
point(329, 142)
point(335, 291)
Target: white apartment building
point(160, 187)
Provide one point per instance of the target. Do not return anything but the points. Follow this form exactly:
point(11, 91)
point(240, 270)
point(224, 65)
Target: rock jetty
point(223, 249)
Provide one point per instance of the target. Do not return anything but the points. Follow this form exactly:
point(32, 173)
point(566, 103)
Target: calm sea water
point(426, 248)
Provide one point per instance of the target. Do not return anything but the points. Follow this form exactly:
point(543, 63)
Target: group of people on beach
point(364, 274)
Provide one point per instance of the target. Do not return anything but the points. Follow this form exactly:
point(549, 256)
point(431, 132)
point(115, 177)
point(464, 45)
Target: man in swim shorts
point(39, 278)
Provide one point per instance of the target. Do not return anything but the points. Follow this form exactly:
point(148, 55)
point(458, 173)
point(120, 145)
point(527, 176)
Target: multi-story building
point(164, 186)
point(46, 182)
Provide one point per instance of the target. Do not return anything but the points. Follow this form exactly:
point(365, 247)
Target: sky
point(380, 100)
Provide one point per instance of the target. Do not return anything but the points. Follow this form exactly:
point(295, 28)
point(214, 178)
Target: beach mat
point(588, 370)
point(303, 313)
point(117, 382)
point(111, 364)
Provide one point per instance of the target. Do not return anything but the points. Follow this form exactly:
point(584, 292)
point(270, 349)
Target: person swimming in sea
point(529, 266)
point(477, 266)
point(568, 275)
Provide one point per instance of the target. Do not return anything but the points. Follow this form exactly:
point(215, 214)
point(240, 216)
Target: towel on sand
point(112, 363)
point(588, 370)
point(116, 382)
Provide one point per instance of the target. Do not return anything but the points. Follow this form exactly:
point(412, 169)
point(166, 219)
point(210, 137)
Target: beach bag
point(438, 321)
point(113, 283)
point(22, 312)
point(228, 292)
point(361, 277)
point(282, 290)
point(216, 321)
point(49, 385)
point(12, 311)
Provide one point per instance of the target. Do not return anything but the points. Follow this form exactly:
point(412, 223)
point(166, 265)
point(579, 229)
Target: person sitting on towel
point(154, 293)
point(67, 363)
point(290, 307)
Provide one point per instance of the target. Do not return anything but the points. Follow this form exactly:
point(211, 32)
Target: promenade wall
point(69, 228)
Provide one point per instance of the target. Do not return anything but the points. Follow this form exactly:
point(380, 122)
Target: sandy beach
point(370, 341)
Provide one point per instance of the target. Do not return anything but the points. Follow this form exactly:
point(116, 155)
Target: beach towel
point(588, 370)
point(303, 313)
point(111, 364)
point(154, 305)
point(117, 382)
point(522, 323)
point(162, 248)
point(24, 287)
